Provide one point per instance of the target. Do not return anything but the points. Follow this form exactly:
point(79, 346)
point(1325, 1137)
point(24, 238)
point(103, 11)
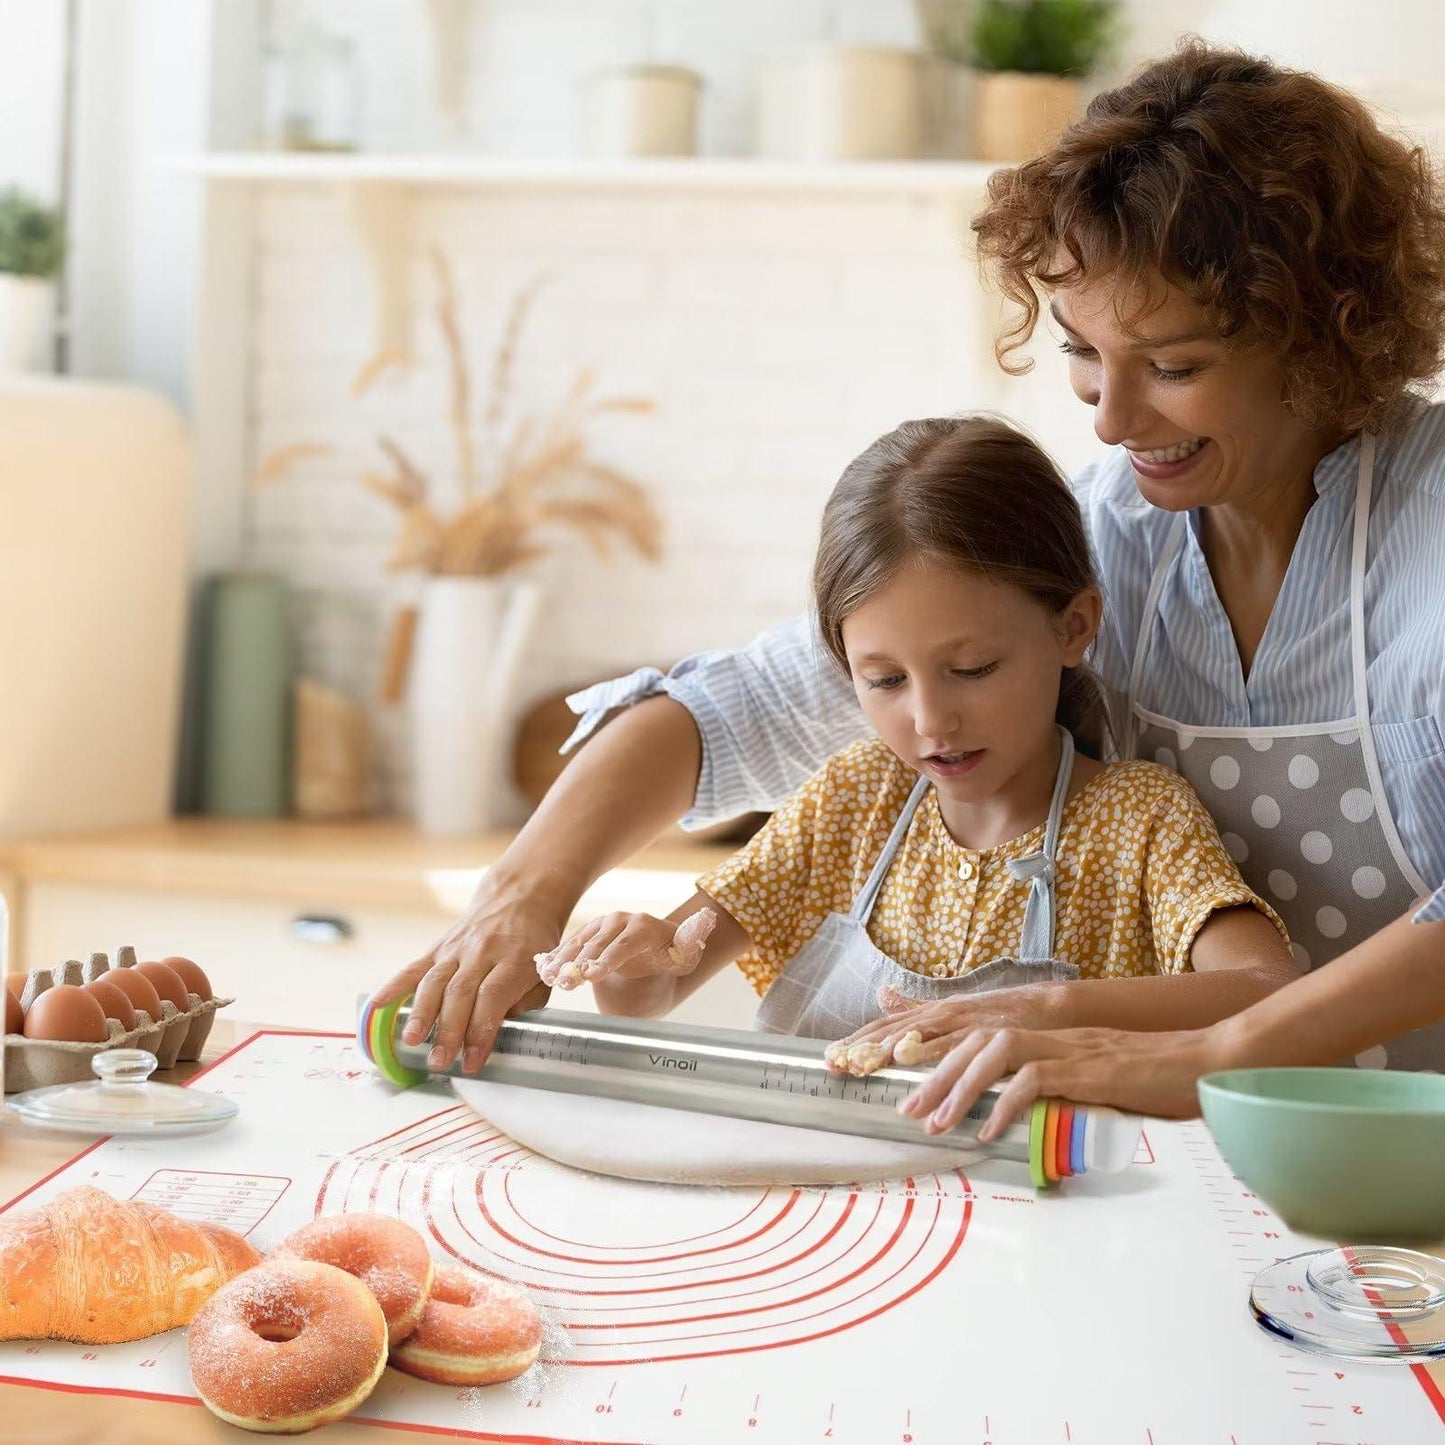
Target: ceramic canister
point(640, 110)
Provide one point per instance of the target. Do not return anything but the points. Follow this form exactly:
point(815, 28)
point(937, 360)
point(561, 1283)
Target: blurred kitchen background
point(377, 372)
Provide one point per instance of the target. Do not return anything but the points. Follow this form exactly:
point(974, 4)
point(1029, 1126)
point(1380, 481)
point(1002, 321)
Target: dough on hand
point(910, 1050)
point(676, 1146)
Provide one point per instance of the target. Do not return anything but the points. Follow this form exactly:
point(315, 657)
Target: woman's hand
point(912, 1033)
point(1148, 1073)
point(627, 946)
point(476, 974)
point(618, 793)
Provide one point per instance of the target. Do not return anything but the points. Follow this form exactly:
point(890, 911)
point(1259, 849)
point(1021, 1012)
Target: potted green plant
point(1032, 57)
point(32, 248)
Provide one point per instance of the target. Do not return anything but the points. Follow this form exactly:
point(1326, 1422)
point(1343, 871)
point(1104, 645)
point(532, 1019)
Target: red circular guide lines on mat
point(628, 1273)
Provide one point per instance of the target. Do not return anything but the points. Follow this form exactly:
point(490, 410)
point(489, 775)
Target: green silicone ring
point(1037, 1118)
point(383, 1023)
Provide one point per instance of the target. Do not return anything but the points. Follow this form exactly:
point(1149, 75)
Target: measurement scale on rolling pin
point(768, 1078)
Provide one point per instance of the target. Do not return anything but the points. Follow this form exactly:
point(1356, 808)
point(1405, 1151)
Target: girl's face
point(959, 675)
point(1204, 425)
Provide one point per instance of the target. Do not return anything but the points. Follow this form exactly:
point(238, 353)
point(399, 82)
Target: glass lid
point(1359, 1302)
point(123, 1100)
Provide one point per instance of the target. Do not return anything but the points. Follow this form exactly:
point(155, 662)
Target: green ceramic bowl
point(1354, 1155)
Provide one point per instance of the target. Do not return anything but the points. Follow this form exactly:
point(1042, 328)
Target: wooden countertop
point(380, 864)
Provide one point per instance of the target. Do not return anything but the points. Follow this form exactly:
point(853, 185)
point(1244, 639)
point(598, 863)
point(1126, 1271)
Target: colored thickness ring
point(1066, 1132)
point(1037, 1115)
point(1076, 1142)
point(363, 1026)
point(379, 1036)
point(1051, 1141)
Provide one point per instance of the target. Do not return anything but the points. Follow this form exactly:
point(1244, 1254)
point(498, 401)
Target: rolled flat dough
point(673, 1146)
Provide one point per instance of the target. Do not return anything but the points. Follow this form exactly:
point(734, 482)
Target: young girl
point(977, 842)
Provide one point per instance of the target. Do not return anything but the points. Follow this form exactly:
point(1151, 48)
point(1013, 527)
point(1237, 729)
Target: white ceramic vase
point(25, 303)
point(471, 635)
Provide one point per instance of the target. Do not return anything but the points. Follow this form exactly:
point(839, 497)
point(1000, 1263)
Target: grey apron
point(1301, 808)
point(830, 987)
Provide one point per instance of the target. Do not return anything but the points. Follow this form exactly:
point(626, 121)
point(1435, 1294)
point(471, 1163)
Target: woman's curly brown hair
point(1271, 198)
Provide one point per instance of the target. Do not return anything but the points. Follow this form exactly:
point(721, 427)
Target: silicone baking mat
point(958, 1307)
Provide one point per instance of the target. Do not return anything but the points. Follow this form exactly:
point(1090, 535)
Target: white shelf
point(696, 174)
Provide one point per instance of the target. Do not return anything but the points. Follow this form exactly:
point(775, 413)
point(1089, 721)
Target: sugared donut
point(390, 1258)
point(287, 1345)
point(474, 1331)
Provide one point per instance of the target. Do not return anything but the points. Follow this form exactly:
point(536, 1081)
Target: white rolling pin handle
point(1111, 1140)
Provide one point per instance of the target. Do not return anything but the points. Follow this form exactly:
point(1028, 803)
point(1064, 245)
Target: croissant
point(98, 1270)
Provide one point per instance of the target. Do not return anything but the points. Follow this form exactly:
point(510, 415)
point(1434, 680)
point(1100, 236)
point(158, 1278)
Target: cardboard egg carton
point(176, 1035)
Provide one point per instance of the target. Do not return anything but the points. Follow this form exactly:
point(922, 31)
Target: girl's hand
point(1144, 1073)
point(911, 1033)
point(627, 946)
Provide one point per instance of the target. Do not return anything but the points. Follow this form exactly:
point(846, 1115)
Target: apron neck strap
point(1038, 869)
point(863, 904)
point(1172, 543)
point(1359, 551)
point(1359, 555)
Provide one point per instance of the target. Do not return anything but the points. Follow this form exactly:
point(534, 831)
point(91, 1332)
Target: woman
point(1249, 277)
point(1393, 981)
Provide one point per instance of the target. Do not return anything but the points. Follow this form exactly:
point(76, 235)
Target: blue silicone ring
point(1076, 1141)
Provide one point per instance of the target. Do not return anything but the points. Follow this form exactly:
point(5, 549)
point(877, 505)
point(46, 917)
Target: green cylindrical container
point(248, 666)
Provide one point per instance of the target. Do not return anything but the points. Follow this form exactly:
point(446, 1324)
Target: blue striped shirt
point(1434, 909)
point(771, 713)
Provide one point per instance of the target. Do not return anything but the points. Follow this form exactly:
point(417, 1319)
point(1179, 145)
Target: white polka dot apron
point(1301, 808)
point(830, 986)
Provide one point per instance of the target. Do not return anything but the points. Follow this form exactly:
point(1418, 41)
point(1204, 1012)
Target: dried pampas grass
point(520, 485)
point(277, 463)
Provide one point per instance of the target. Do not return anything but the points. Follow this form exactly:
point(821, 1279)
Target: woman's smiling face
point(1204, 423)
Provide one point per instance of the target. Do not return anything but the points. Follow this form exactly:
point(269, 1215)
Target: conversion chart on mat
point(949, 1309)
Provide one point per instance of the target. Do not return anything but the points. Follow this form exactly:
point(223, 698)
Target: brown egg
point(138, 989)
point(66, 1012)
point(166, 981)
point(14, 1019)
point(190, 974)
point(113, 1000)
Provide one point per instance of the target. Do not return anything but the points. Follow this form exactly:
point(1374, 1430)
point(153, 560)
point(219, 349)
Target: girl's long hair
point(973, 492)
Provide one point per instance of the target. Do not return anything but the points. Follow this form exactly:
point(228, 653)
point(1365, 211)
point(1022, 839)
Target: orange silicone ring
point(1051, 1141)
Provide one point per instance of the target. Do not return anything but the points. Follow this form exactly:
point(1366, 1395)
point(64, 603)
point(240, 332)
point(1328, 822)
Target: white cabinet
point(297, 966)
point(264, 954)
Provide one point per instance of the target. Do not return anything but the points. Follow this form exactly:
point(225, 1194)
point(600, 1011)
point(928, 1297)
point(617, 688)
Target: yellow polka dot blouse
point(1140, 868)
